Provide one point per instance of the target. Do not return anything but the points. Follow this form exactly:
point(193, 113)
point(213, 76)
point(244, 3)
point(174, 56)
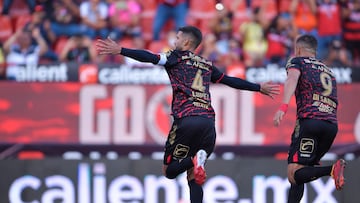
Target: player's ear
point(190, 42)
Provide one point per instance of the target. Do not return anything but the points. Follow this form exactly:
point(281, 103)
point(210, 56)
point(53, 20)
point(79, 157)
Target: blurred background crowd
point(237, 33)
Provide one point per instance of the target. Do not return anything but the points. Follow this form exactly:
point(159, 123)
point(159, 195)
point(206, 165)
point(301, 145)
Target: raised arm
point(109, 46)
point(267, 88)
point(40, 41)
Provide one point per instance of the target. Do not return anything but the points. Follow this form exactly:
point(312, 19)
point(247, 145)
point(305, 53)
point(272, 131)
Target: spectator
point(64, 17)
point(221, 26)
point(20, 51)
point(124, 19)
point(233, 61)
point(137, 43)
point(337, 56)
point(280, 36)
point(351, 23)
point(234, 55)
point(304, 16)
point(209, 49)
point(73, 7)
point(94, 14)
point(166, 10)
point(79, 48)
point(328, 13)
point(254, 43)
point(7, 5)
point(38, 21)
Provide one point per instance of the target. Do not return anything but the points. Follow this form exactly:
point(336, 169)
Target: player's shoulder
point(299, 61)
point(169, 52)
point(176, 53)
point(293, 61)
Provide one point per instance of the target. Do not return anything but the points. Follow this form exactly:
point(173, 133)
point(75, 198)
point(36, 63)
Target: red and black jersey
point(316, 91)
point(190, 77)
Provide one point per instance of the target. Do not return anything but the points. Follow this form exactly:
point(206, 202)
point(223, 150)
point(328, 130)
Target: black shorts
point(310, 141)
point(187, 136)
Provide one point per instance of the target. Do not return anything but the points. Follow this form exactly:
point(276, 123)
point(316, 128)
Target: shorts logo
point(306, 145)
point(181, 151)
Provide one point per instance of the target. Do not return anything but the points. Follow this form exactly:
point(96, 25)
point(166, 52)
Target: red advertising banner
point(139, 114)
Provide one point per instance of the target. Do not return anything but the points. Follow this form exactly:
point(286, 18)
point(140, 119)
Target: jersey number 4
point(198, 83)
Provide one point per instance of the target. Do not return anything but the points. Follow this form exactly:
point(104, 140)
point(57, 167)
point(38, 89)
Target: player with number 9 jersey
point(314, 86)
point(316, 92)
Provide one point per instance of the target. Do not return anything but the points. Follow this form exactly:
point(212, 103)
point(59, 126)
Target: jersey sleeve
point(170, 58)
point(294, 63)
point(216, 75)
point(141, 55)
point(234, 82)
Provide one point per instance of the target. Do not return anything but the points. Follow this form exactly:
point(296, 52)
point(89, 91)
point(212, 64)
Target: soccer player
point(192, 137)
point(315, 91)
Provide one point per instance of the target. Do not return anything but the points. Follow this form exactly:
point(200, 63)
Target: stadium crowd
point(237, 33)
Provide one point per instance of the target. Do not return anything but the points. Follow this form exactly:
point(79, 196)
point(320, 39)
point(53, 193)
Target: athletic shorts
point(310, 141)
point(187, 136)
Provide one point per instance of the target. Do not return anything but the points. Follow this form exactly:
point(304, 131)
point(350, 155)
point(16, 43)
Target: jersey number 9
point(326, 83)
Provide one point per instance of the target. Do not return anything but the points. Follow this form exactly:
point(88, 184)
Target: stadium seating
point(19, 8)
point(147, 17)
point(59, 45)
point(200, 12)
point(21, 21)
point(270, 9)
point(6, 28)
point(157, 46)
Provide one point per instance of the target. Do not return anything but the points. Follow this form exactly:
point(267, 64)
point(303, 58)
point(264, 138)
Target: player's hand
point(107, 46)
point(278, 117)
point(269, 89)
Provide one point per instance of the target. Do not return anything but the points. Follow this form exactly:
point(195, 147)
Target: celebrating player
point(315, 90)
point(192, 136)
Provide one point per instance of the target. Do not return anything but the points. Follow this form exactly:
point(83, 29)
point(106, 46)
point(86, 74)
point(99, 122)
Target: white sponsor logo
point(128, 75)
point(42, 73)
point(274, 73)
point(92, 186)
point(271, 72)
point(133, 115)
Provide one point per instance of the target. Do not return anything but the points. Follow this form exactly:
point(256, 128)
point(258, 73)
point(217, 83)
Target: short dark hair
point(308, 41)
point(194, 32)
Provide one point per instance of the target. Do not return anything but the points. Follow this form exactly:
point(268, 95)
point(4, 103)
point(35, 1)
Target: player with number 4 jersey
point(192, 136)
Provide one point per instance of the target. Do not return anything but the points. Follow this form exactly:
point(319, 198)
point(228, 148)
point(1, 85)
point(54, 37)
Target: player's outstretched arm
point(109, 46)
point(266, 88)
